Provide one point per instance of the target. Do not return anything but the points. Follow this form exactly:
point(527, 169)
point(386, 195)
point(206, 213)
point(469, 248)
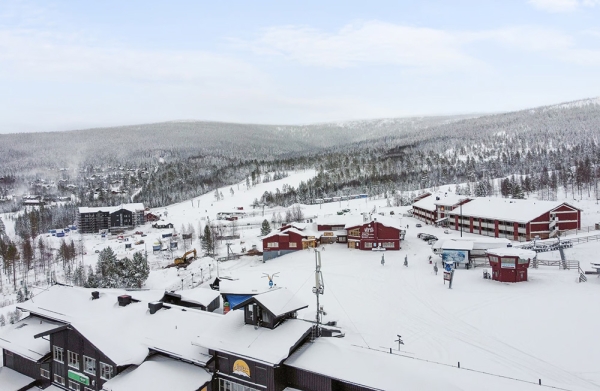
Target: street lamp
point(192, 280)
point(182, 284)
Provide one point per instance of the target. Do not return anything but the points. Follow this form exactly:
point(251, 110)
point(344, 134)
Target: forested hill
point(372, 156)
point(182, 139)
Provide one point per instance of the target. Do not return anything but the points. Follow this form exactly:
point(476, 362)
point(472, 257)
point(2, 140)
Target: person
point(435, 268)
point(406, 260)
point(382, 260)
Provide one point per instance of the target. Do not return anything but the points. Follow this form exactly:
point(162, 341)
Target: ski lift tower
point(318, 289)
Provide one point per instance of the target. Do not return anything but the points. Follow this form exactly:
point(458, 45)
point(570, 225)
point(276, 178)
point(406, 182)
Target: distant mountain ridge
point(181, 139)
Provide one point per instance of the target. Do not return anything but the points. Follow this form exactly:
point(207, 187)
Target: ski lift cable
point(348, 316)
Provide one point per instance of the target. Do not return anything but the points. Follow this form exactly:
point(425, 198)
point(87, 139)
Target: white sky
point(68, 65)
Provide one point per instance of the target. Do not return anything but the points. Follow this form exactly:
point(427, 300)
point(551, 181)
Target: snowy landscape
point(539, 329)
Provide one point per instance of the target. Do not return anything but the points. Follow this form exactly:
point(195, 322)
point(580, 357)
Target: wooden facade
point(70, 341)
point(373, 234)
point(28, 367)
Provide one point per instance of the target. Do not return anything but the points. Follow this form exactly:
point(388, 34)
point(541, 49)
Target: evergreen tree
point(106, 269)
point(2, 320)
point(139, 270)
point(92, 280)
point(20, 297)
point(265, 229)
point(207, 242)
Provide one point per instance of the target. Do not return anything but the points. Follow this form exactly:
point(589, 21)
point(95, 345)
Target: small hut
point(510, 264)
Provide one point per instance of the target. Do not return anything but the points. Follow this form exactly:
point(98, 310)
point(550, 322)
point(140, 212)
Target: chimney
point(124, 300)
point(154, 306)
point(95, 295)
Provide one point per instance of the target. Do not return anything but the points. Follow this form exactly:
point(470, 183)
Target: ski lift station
point(510, 264)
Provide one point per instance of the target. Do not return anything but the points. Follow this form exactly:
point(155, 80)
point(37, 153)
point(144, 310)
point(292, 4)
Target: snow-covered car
point(418, 225)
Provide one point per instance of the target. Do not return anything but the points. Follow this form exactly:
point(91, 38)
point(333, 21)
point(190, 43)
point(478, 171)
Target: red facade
point(372, 235)
point(548, 225)
point(508, 268)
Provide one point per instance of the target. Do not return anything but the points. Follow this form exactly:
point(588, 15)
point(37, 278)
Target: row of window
point(89, 364)
point(72, 384)
point(276, 245)
point(383, 244)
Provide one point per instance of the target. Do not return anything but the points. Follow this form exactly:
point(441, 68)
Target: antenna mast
point(319, 288)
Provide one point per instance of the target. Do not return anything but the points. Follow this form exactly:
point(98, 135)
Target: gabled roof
point(108, 326)
point(383, 220)
point(439, 198)
point(274, 233)
point(19, 337)
point(505, 209)
point(278, 301)
point(512, 252)
point(160, 373)
point(270, 346)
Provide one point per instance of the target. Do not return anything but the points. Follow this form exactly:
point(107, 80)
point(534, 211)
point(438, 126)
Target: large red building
point(288, 240)
point(378, 232)
point(434, 208)
point(520, 220)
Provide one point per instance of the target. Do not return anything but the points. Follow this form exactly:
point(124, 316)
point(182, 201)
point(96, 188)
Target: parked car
point(418, 225)
point(138, 232)
point(446, 231)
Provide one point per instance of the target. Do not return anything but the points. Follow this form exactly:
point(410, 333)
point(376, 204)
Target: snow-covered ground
point(544, 328)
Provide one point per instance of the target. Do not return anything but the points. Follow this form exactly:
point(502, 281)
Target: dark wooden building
point(125, 216)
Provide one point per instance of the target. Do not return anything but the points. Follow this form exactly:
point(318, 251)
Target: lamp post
point(192, 280)
point(182, 284)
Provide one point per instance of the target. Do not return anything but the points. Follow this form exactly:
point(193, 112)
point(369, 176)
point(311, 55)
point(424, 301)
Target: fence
point(577, 231)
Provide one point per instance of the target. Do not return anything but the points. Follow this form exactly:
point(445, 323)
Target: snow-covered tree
point(265, 229)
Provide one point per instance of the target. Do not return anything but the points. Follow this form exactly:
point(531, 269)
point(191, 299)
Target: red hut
point(510, 264)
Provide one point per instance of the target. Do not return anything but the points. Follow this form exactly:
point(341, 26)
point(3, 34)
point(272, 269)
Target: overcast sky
point(80, 64)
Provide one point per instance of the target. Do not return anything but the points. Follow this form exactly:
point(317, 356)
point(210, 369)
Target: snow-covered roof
point(505, 209)
point(260, 344)
point(274, 233)
point(19, 337)
point(338, 359)
point(160, 373)
point(456, 245)
point(384, 220)
point(108, 325)
point(243, 286)
point(430, 202)
point(11, 380)
point(279, 301)
point(131, 207)
point(513, 252)
point(337, 219)
point(202, 295)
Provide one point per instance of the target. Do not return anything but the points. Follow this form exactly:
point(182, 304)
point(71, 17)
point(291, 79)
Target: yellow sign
point(241, 368)
point(327, 233)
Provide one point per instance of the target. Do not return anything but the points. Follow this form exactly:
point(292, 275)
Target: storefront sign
point(78, 377)
point(368, 233)
point(505, 265)
point(327, 233)
point(241, 368)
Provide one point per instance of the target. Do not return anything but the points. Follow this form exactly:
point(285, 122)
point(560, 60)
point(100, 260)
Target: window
point(354, 232)
point(273, 244)
point(368, 245)
point(44, 373)
point(293, 245)
point(387, 244)
point(226, 385)
point(73, 385)
point(106, 371)
point(59, 379)
point(89, 365)
point(73, 359)
point(59, 354)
